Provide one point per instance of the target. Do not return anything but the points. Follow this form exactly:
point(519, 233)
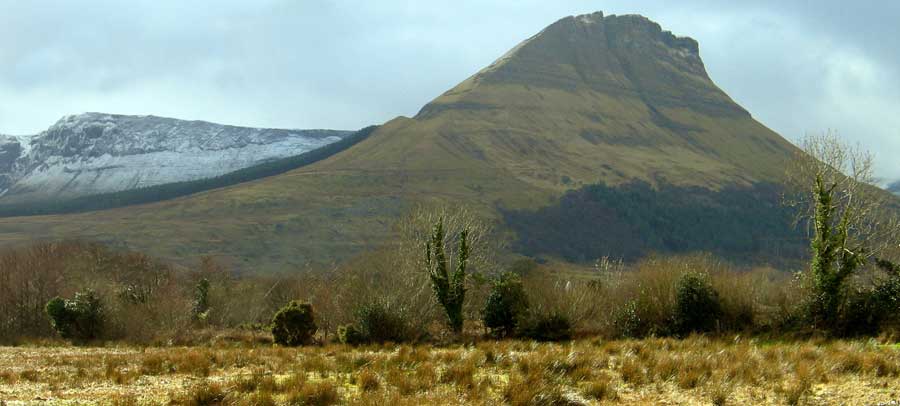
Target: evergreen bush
point(376, 323)
point(506, 305)
point(697, 306)
point(546, 327)
point(81, 318)
point(294, 324)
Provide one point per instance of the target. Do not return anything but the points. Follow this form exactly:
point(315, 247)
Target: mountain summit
point(591, 99)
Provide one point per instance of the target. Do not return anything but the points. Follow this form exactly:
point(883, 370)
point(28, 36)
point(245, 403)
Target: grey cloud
point(798, 66)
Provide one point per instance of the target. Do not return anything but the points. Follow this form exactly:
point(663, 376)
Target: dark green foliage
point(200, 309)
point(79, 319)
point(349, 334)
point(888, 267)
point(376, 323)
point(697, 307)
point(506, 306)
point(449, 288)
point(546, 327)
point(294, 324)
point(62, 320)
point(833, 259)
point(866, 312)
point(743, 224)
point(172, 190)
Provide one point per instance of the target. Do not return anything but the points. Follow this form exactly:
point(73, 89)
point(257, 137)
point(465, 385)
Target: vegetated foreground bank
point(695, 370)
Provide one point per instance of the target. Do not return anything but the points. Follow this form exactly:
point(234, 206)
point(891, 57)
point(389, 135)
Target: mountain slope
point(894, 188)
point(96, 153)
point(590, 99)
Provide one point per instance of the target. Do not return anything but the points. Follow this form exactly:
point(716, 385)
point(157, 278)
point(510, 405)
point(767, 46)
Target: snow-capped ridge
point(92, 153)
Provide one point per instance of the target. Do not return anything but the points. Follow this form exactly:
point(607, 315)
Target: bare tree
point(852, 220)
point(847, 173)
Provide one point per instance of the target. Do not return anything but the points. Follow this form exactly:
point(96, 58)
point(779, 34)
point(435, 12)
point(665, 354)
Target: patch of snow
point(99, 153)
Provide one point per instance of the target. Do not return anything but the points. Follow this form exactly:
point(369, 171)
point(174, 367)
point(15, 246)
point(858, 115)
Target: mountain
point(894, 188)
point(590, 100)
point(95, 153)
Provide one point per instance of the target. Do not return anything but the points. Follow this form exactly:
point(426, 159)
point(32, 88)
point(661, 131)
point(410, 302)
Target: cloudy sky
point(798, 66)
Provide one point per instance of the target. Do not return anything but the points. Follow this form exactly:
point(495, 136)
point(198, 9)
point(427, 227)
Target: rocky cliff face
point(98, 153)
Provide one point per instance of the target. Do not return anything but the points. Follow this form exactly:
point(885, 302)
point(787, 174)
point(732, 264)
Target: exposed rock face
point(617, 55)
point(10, 150)
point(97, 153)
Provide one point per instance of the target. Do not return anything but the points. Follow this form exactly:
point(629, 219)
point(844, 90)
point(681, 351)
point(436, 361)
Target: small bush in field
point(541, 327)
point(294, 324)
point(376, 323)
point(80, 318)
point(349, 334)
point(506, 305)
point(697, 306)
point(864, 312)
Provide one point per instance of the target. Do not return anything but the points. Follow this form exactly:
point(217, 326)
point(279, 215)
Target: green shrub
point(506, 305)
point(546, 327)
point(865, 312)
point(200, 309)
point(697, 307)
point(349, 334)
point(294, 324)
point(376, 323)
point(81, 318)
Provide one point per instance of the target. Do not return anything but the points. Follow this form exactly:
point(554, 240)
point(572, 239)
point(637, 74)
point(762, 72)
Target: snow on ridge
point(93, 153)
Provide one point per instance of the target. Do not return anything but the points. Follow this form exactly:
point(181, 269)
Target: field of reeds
point(239, 371)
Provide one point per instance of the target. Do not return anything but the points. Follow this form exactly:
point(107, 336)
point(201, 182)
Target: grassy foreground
point(696, 370)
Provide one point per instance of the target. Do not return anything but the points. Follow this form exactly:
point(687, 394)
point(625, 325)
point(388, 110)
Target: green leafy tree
point(294, 324)
point(449, 286)
point(506, 305)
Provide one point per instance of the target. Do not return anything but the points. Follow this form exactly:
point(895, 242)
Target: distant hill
point(894, 188)
point(590, 100)
point(166, 191)
point(97, 153)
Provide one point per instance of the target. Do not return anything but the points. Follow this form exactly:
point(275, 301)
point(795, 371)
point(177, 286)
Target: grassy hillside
point(590, 99)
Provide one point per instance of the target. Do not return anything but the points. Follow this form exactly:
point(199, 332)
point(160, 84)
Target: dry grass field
point(696, 370)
